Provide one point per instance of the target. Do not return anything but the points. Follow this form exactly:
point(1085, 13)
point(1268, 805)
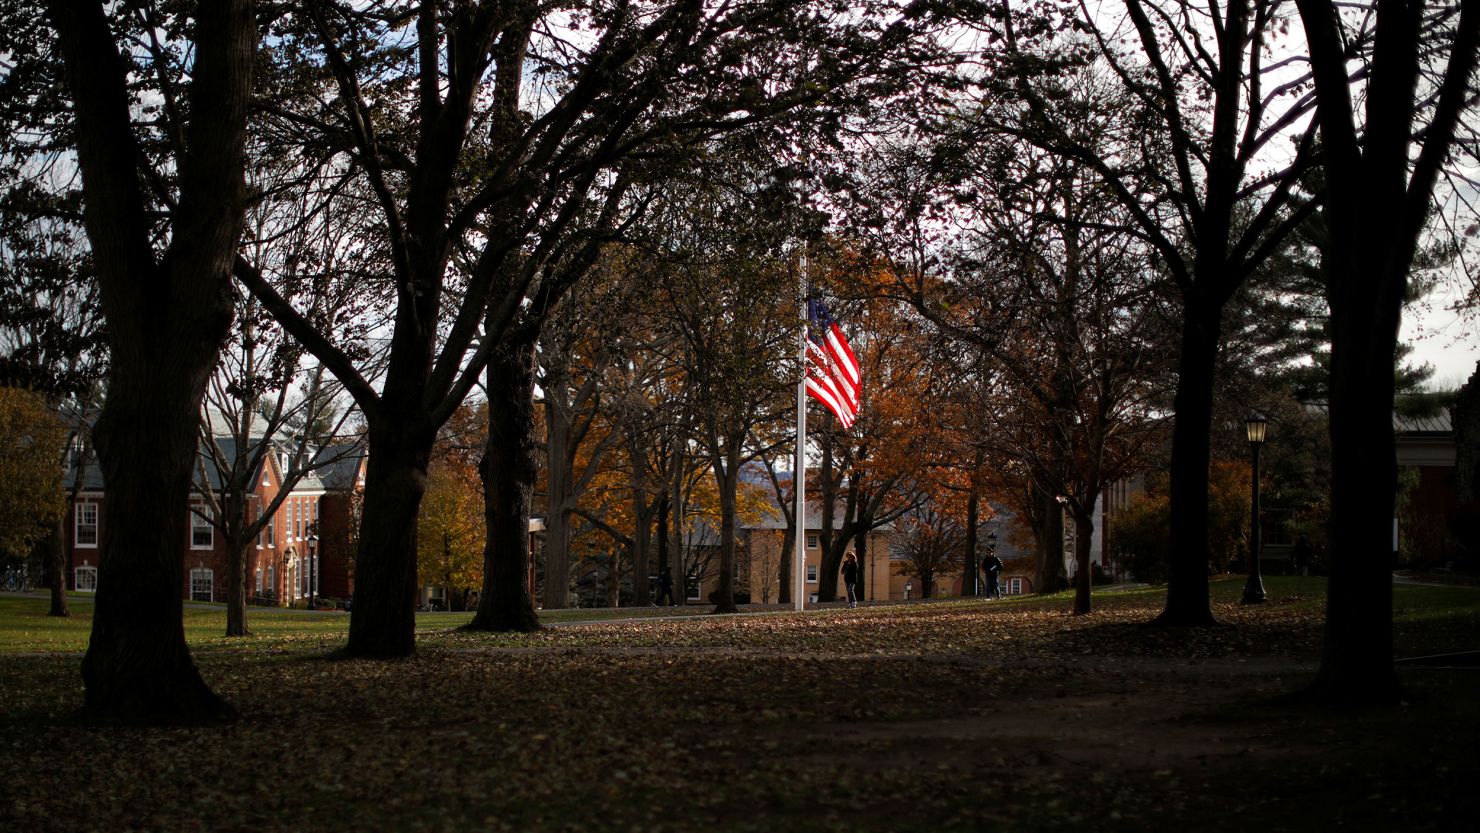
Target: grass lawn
point(948, 715)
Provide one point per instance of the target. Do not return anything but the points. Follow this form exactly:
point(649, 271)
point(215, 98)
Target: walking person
point(665, 587)
point(850, 577)
point(992, 565)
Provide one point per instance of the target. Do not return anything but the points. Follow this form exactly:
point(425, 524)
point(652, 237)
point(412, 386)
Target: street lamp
point(313, 566)
point(1254, 425)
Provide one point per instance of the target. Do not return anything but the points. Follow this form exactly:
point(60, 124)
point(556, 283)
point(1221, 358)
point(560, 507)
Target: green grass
point(25, 627)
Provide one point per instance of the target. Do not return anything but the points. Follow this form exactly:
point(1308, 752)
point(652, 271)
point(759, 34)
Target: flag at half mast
point(832, 368)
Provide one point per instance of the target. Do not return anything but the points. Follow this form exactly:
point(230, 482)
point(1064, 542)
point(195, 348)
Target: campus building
point(282, 567)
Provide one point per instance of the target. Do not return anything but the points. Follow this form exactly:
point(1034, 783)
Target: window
point(202, 584)
point(85, 532)
point(308, 576)
point(202, 533)
point(272, 579)
point(1014, 587)
point(260, 531)
point(811, 541)
point(271, 530)
point(811, 573)
point(86, 580)
point(259, 581)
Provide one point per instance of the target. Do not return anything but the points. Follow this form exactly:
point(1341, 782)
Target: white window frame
point(197, 524)
point(811, 573)
point(78, 525)
point(91, 584)
point(272, 578)
point(258, 590)
point(1014, 587)
point(206, 575)
point(272, 533)
point(812, 542)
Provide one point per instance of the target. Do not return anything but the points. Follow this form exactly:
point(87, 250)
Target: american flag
point(832, 369)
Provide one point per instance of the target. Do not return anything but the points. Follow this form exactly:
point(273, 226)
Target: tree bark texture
point(509, 469)
point(558, 487)
point(727, 473)
point(56, 567)
point(1048, 577)
point(382, 622)
point(1379, 198)
point(167, 320)
point(970, 564)
point(786, 567)
point(1187, 575)
point(236, 580)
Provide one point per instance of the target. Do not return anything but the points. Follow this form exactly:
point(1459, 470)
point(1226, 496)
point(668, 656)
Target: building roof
point(337, 470)
point(1435, 423)
point(337, 467)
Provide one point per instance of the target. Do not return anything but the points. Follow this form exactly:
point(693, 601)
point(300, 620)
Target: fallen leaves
point(951, 715)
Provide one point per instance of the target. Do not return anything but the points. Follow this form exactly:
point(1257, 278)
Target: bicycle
point(18, 579)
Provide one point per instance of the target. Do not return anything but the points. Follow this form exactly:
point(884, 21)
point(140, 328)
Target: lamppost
point(1254, 425)
point(313, 566)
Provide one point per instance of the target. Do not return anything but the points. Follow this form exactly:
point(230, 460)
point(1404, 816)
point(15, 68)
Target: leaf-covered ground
point(931, 717)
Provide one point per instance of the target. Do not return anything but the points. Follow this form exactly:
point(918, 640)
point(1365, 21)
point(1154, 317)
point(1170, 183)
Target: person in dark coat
point(850, 577)
point(665, 587)
point(992, 566)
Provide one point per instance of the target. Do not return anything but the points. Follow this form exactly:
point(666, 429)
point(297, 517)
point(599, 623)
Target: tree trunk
point(662, 533)
point(1376, 209)
point(1049, 573)
point(167, 320)
point(236, 577)
point(970, 564)
point(1084, 528)
point(860, 548)
point(558, 486)
point(1187, 577)
point(642, 516)
point(509, 469)
point(1356, 658)
point(382, 623)
point(137, 666)
point(787, 566)
point(675, 533)
point(56, 567)
point(727, 473)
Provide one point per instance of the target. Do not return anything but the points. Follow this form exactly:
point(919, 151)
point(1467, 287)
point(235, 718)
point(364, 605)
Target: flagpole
point(799, 477)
